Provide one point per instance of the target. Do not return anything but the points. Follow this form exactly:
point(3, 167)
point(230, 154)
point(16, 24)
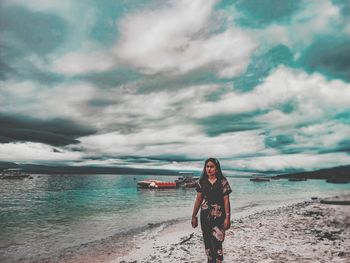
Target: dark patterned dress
point(212, 215)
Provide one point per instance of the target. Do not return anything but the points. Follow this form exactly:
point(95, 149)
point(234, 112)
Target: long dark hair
point(219, 174)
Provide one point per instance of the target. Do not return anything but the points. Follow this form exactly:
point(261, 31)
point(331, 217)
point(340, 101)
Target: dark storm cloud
point(219, 124)
point(344, 146)
point(330, 56)
point(261, 66)
point(36, 136)
point(54, 132)
point(163, 158)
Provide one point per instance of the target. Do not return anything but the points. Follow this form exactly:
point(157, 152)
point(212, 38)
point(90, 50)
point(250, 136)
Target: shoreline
point(176, 241)
point(306, 231)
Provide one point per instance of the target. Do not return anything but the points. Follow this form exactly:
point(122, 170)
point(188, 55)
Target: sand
point(302, 232)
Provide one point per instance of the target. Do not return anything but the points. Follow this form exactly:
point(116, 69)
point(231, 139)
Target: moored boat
point(156, 184)
point(297, 179)
point(145, 183)
point(260, 179)
point(163, 185)
point(186, 180)
point(338, 180)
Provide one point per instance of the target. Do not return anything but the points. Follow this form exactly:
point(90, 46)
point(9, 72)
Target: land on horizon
point(342, 172)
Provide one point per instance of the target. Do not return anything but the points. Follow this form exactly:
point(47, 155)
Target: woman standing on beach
point(212, 197)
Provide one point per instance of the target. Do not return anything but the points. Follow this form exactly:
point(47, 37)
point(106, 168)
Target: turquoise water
point(49, 213)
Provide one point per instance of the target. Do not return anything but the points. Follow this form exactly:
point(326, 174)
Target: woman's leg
point(207, 231)
point(218, 236)
point(213, 246)
point(209, 245)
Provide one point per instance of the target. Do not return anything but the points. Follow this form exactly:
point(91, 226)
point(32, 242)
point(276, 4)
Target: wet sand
point(303, 232)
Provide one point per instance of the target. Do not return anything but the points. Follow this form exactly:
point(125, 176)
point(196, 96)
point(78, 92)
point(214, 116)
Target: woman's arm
point(197, 203)
point(227, 222)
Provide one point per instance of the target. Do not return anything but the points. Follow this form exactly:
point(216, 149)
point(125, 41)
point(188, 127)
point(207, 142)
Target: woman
point(213, 192)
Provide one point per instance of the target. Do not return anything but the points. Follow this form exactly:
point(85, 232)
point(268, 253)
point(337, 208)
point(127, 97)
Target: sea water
point(50, 213)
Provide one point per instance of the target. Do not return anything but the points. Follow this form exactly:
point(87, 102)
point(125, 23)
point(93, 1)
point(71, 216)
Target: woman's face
point(210, 168)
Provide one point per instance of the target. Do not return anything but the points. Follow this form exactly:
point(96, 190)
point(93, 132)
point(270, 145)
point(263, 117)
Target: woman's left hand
point(227, 223)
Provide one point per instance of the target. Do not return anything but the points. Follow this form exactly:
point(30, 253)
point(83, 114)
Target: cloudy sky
point(261, 85)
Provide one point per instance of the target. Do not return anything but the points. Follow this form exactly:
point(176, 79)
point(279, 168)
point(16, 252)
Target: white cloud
point(313, 95)
point(314, 103)
point(178, 39)
point(182, 140)
point(316, 18)
point(82, 62)
point(324, 135)
point(164, 122)
point(128, 109)
point(291, 161)
point(28, 151)
point(41, 101)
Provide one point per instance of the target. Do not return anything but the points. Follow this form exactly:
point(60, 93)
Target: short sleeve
point(199, 187)
point(226, 188)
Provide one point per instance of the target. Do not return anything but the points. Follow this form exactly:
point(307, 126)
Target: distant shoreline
point(339, 172)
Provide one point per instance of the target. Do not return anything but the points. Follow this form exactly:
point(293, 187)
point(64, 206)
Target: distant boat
point(338, 180)
point(297, 179)
point(145, 183)
point(156, 184)
point(260, 179)
point(163, 185)
point(13, 173)
point(187, 181)
point(274, 178)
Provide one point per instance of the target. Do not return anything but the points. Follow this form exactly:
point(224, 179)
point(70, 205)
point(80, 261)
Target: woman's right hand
point(194, 222)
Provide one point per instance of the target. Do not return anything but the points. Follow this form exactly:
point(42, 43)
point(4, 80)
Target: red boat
point(162, 185)
point(155, 184)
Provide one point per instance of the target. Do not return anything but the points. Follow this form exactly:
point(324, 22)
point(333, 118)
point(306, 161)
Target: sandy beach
point(304, 232)
point(307, 231)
